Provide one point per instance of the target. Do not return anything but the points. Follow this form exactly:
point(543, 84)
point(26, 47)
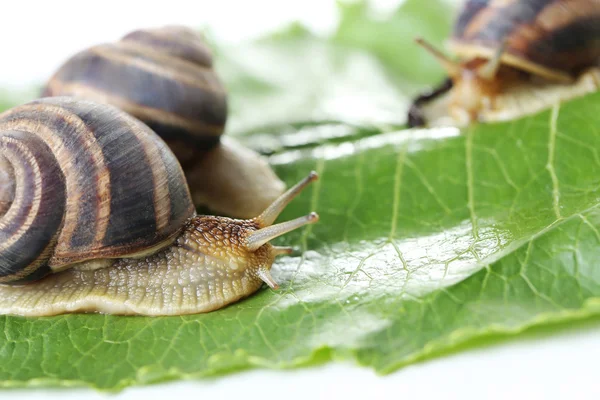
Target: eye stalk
point(475, 82)
point(452, 67)
point(258, 238)
point(455, 69)
point(268, 231)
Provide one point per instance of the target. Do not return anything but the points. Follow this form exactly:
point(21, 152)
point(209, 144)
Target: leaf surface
point(427, 239)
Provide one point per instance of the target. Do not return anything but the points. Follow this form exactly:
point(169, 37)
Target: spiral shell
point(556, 39)
point(516, 57)
point(90, 182)
point(162, 76)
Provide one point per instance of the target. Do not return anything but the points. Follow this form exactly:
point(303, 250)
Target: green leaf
point(391, 37)
point(428, 239)
point(295, 78)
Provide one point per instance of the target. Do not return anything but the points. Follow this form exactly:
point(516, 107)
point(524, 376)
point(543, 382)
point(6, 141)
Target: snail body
point(165, 78)
point(515, 57)
point(100, 218)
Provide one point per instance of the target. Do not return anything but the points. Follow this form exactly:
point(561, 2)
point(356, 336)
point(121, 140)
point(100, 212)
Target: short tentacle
point(265, 275)
point(267, 232)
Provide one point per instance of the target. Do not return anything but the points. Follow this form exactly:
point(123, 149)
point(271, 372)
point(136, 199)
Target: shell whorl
point(7, 185)
point(177, 41)
point(89, 182)
point(163, 76)
point(31, 225)
point(560, 35)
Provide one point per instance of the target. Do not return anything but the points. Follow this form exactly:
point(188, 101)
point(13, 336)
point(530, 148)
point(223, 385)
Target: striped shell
point(88, 182)
point(163, 76)
point(556, 39)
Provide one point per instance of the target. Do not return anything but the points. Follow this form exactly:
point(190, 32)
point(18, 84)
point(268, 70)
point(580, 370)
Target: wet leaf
point(428, 238)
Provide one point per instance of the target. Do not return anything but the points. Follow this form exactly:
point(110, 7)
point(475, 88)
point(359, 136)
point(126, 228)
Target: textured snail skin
point(206, 268)
point(517, 57)
point(165, 77)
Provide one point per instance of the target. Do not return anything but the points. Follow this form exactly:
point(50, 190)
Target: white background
point(36, 37)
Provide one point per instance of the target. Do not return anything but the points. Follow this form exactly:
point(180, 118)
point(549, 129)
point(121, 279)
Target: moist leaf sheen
point(428, 239)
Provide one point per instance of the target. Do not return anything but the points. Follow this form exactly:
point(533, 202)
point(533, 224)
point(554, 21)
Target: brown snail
point(97, 216)
point(516, 57)
point(165, 78)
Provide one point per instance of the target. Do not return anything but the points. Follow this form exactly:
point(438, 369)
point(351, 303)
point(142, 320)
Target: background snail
point(165, 78)
point(100, 219)
point(519, 56)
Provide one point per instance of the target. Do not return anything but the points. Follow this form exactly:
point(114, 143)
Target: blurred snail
point(517, 57)
point(165, 78)
point(96, 215)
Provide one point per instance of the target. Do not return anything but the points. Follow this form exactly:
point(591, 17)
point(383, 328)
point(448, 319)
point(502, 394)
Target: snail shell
point(165, 78)
point(90, 182)
point(97, 216)
point(518, 57)
point(555, 39)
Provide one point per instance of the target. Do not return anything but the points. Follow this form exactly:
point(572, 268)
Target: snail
point(100, 219)
point(517, 57)
point(165, 78)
